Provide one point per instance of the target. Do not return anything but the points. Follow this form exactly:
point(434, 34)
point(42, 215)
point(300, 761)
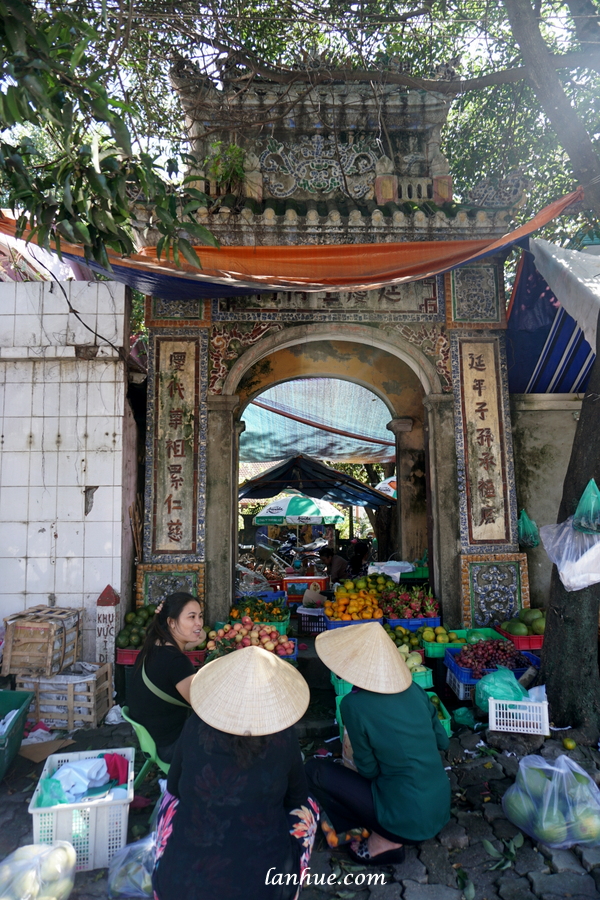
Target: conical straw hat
point(249, 692)
point(365, 656)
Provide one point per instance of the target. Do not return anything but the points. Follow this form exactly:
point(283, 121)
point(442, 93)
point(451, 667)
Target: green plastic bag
point(529, 535)
point(587, 514)
point(498, 685)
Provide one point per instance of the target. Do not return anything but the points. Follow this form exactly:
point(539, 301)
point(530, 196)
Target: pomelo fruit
point(586, 826)
point(518, 808)
point(538, 626)
point(529, 615)
point(551, 827)
point(533, 781)
point(518, 629)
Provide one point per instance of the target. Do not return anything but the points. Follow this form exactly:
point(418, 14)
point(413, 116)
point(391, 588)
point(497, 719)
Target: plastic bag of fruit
point(529, 535)
point(555, 802)
point(130, 871)
point(498, 685)
point(38, 870)
point(587, 514)
point(576, 554)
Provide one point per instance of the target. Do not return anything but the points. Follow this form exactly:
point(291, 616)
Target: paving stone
point(455, 751)
point(493, 811)
point(590, 857)
point(521, 744)
point(435, 859)
point(320, 868)
point(552, 749)
point(475, 826)
point(515, 889)
point(454, 781)
point(485, 884)
point(414, 891)
point(390, 891)
point(564, 861)
point(453, 836)
point(475, 856)
point(477, 771)
point(510, 764)
point(596, 877)
point(563, 885)
point(529, 860)
point(504, 830)
point(412, 869)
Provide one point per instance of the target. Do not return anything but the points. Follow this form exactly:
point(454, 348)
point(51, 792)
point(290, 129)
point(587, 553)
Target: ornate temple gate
point(442, 340)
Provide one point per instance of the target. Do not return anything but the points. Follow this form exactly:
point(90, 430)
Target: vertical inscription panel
point(176, 406)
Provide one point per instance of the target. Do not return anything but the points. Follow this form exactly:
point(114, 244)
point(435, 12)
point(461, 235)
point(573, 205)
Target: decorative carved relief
point(434, 343)
point(227, 343)
point(494, 588)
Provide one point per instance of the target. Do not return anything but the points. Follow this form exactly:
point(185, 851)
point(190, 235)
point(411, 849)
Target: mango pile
point(355, 600)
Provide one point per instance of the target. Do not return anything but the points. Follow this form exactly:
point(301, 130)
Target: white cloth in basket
point(77, 778)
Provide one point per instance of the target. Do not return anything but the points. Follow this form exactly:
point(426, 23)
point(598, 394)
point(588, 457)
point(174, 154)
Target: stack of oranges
point(353, 604)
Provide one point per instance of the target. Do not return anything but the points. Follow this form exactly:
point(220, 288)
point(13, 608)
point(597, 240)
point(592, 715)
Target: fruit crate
point(341, 687)
point(295, 585)
point(424, 679)
point(446, 722)
point(129, 657)
point(523, 642)
point(311, 621)
point(42, 641)
point(95, 828)
point(521, 716)
point(414, 624)
point(282, 627)
point(421, 573)
point(464, 675)
point(276, 584)
point(433, 649)
point(71, 700)
point(10, 741)
point(462, 691)
point(331, 624)
point(293, 656)
point(267, 596)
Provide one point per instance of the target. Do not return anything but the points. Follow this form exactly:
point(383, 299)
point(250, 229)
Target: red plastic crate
point(197, 656)
point(129, 656)
point(276, 584)
point(523, 642)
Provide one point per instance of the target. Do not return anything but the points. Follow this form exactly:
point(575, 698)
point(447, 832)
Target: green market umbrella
point(298, 510)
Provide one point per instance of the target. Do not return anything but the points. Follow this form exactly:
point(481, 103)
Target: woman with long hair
point(359, 561)
point(159, 695)
point(236, 820)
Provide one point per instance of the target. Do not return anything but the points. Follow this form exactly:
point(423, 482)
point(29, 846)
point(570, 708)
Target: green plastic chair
point(148, 748)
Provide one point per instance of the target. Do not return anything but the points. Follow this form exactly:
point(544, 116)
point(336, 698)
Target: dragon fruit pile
point(418, 603)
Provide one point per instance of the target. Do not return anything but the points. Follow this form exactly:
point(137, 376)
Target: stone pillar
point(221, 505)
point(443, 498)
point(398, 426)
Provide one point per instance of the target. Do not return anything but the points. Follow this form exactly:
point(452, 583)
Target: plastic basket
point(523, 642)
point(313, 622)
point(10, 741)
point(341, 687)
point(424, 679)
point(438, 650)
point(463, 691)
point(196, 656)
point(421, 573)
point(464, 675)
point(522, 716)
point(293, 656)
point(95, 828)
point(446, 722)
point(414, 624)
point(281, 627)
point(331, 624)
point(128, 657)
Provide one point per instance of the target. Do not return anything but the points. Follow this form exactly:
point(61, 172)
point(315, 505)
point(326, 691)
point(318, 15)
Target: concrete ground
point(439, 869)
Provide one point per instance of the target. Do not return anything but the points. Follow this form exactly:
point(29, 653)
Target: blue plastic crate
point(267, 596)
point(464, 675)
point(293, 656)
point(414, 624)
point(331, 624)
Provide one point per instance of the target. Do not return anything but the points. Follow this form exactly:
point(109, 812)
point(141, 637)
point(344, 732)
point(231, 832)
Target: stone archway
point(380, 351)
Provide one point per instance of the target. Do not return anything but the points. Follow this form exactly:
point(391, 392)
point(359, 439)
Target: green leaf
point(82, 234)
point(67, 196)
point(165, 217)
point(469, 891)
point(201, 232)
point(120, 132)
point(189, 253)
point(518, 840)
point(103, 220)
point(491, 850)
point(192, 206)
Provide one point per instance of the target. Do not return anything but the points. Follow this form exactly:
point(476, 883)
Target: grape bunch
point(488, 655)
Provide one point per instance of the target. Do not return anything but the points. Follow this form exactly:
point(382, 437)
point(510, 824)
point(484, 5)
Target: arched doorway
point(395, 370)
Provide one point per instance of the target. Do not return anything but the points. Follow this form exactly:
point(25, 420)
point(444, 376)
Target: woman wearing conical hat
point(400, 792)
point(237, 821)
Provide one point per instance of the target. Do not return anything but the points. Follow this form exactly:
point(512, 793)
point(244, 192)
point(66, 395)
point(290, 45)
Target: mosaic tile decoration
point(476, 297)
point(153, 583)
point(494, 588)
point(227, 343)
point(428, 299)
point(465, 487)
point(433, 341)
point(160, 313)
point(201, 334)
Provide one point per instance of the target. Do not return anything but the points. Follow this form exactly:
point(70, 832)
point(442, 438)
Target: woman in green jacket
point(400, 791)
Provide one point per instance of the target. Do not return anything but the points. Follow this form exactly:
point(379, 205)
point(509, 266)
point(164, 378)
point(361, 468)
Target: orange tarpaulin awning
point(227, 271)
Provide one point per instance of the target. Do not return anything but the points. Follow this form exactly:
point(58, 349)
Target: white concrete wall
point(64, 419)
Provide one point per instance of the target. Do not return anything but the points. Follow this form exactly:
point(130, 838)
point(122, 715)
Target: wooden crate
point(70, 700)
point(44, 640)
point(155, 581)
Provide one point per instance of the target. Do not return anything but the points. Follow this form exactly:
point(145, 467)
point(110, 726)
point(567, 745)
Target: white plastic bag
point(576, 555)
point(554, 802)
point(130, 871)
point(38, 870)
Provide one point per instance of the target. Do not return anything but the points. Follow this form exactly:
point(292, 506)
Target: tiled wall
point(64, 423)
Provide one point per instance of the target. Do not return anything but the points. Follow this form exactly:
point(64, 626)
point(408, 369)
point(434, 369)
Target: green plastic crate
point(439, 650)
point(282, 627)
point(341, 687)
point(11, 740)
point(338, 715)
point(447, 720)
point(424, 679)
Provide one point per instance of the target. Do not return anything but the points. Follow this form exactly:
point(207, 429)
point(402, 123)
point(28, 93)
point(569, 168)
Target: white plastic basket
point(520, 716)
point(462, 691)
point(95, 828)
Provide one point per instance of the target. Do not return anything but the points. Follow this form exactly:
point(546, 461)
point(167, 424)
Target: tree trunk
point(545, 82)
point(570, 652)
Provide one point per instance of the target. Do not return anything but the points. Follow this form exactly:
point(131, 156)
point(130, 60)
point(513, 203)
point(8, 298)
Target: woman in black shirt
point(159, 694)
point(236, 821)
